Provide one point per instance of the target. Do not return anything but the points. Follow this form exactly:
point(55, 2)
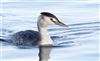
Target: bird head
point(50, 19)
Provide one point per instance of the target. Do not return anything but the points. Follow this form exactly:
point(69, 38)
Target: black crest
point(49, 14)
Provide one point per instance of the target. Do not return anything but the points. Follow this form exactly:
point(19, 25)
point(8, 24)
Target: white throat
point(45, 38)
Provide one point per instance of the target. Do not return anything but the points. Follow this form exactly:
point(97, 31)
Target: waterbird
point(41, 37)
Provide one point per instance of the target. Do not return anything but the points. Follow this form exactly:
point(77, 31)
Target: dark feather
point(26, 38)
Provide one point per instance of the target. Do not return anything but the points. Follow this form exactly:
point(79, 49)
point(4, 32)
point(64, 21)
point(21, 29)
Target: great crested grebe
point(42, 37)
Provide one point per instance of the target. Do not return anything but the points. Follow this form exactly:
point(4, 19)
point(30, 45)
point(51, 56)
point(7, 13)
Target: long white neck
point(45, 38)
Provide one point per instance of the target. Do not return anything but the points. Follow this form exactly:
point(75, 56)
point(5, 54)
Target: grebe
point(41, 37)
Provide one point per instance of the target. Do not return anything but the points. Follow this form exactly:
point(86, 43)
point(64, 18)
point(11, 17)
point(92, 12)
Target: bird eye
point(51, 19)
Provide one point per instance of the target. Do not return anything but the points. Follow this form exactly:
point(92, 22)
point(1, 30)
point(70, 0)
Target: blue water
point(80, 38)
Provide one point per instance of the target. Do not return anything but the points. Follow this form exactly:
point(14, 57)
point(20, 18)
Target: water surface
point(81, 38)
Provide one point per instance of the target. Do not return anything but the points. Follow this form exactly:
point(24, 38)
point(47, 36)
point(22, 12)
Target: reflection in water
point(44, 53)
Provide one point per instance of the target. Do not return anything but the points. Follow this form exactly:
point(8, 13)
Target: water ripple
point(64, 36)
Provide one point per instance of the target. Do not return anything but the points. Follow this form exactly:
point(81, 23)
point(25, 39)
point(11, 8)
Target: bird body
point(25, 38)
